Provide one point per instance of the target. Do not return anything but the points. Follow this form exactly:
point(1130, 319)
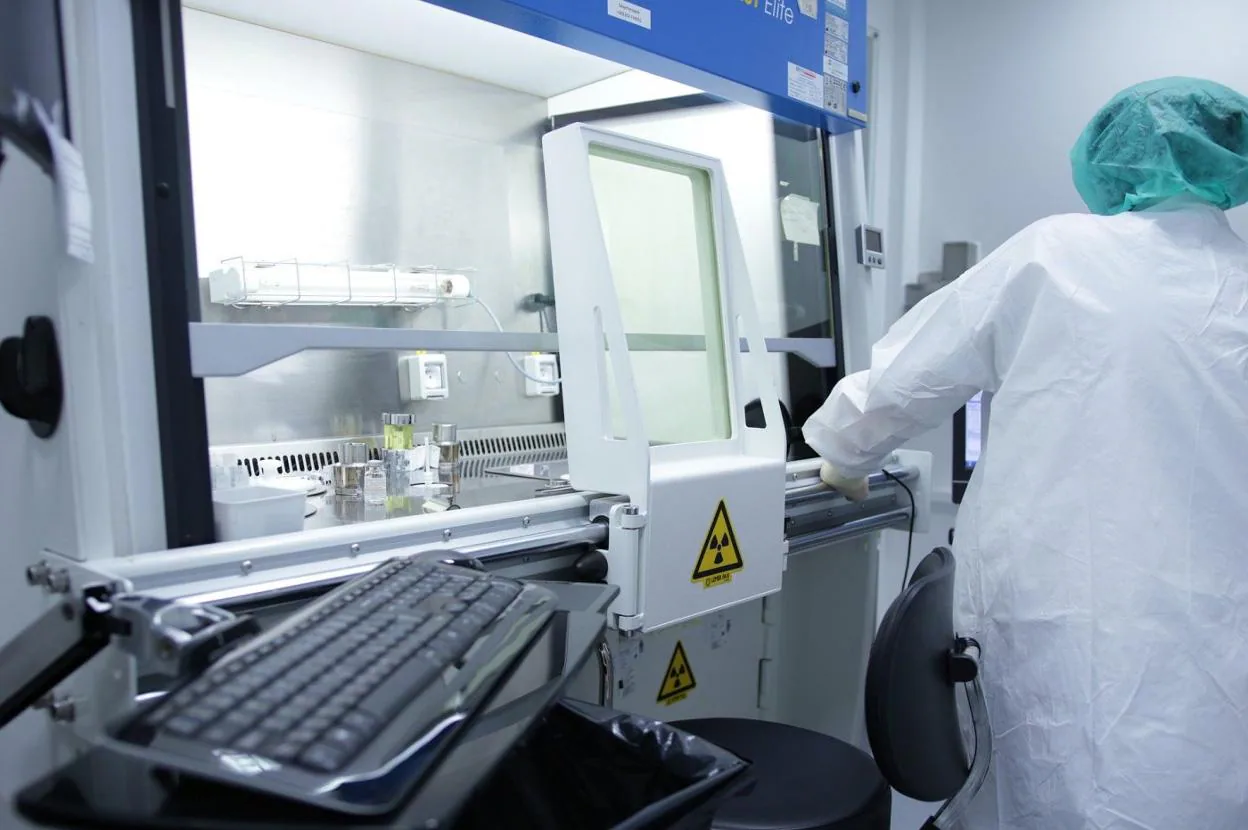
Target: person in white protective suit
point(1103, 543)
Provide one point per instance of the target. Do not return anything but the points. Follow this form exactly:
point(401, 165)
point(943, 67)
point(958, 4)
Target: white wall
point(1009, 87)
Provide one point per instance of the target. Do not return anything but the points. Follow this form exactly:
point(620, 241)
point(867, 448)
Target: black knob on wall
point(30, 376)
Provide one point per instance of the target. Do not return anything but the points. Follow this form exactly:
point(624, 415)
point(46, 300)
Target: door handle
point(31, 387)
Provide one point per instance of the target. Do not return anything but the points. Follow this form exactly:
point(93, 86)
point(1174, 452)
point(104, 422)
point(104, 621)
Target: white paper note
point(73, 194)
point(799, 217)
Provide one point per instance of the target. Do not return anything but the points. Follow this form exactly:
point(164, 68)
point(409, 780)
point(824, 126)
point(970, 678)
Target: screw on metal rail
point(37, 574)
point(59, 707)
point(57, 581)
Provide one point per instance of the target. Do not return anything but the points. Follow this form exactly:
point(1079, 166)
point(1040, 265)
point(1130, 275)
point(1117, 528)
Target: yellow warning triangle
point(678, 681)
point(720, 553)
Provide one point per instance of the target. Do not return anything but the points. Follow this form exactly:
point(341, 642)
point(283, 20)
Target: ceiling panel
point(421, 33)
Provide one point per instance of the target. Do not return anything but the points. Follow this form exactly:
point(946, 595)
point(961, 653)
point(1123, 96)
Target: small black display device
point(870, 246)
point(969, 431)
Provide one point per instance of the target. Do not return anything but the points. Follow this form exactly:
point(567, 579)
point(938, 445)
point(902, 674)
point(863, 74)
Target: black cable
point(970, 708)
point(905, 575)
point(971, 642)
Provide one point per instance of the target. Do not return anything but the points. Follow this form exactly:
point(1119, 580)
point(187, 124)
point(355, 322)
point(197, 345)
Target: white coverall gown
point(1103, 543)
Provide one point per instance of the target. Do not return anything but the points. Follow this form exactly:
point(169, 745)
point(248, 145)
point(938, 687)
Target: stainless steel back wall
point(305, 149)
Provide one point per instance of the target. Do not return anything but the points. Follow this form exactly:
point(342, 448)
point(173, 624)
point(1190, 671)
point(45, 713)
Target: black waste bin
point(589, 768)
point(580, 768)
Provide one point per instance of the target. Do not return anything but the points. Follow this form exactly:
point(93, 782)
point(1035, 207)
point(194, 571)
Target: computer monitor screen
point(973, 430)
point(968, 442)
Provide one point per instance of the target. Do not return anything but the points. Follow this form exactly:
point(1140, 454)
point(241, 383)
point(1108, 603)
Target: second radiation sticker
point(678, 680)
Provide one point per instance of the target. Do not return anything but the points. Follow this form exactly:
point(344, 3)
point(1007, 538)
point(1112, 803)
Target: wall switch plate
point(544, 367)
point(424, 377)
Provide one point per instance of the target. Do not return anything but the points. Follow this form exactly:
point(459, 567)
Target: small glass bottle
point(375, 483)
point(446, 437)
point(349, 475)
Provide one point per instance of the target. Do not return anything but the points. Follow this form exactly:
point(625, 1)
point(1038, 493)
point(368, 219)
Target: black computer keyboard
point(349, 703)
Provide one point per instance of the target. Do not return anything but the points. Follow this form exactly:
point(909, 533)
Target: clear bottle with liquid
point(349, 475)
point(446, 438)
point(397, 430)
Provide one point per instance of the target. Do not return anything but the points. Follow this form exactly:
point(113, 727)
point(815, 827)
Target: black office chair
point(810, 781)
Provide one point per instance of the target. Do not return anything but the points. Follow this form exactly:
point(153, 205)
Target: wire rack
point(250, 282)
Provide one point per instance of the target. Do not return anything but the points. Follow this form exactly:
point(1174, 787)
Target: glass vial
point(446, 437)
point(398, 466)
point(349, 475)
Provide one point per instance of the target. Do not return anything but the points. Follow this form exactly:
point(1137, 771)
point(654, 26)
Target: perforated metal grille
point(513, 444)
point(479, 449)
point(301, 462)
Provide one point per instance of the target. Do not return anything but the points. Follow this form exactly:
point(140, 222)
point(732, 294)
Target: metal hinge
point(630, 626)
point(766, 682)
point(770, 612)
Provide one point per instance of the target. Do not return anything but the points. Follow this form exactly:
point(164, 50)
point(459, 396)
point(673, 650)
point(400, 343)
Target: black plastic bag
point(589, 768)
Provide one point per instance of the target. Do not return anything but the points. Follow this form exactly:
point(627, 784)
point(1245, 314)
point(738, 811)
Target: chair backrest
point(911, 702)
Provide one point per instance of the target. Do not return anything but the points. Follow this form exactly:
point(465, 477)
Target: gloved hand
point(854, 489)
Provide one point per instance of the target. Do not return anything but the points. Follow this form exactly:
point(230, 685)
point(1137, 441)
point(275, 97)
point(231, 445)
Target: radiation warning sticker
point(678, 680)
point(720, 557)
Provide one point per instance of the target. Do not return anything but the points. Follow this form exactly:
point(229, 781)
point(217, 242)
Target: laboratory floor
point(908, 814)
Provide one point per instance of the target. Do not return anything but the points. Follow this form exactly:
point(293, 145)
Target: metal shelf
point(233, 349)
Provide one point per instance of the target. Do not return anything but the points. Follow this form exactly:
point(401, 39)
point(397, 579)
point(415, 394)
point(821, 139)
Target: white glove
point(854, 489)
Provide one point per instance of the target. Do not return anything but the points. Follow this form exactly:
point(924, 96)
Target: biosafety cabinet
point(565, 281)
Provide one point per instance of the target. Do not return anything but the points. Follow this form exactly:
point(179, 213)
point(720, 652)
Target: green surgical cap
point(1161, 139)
